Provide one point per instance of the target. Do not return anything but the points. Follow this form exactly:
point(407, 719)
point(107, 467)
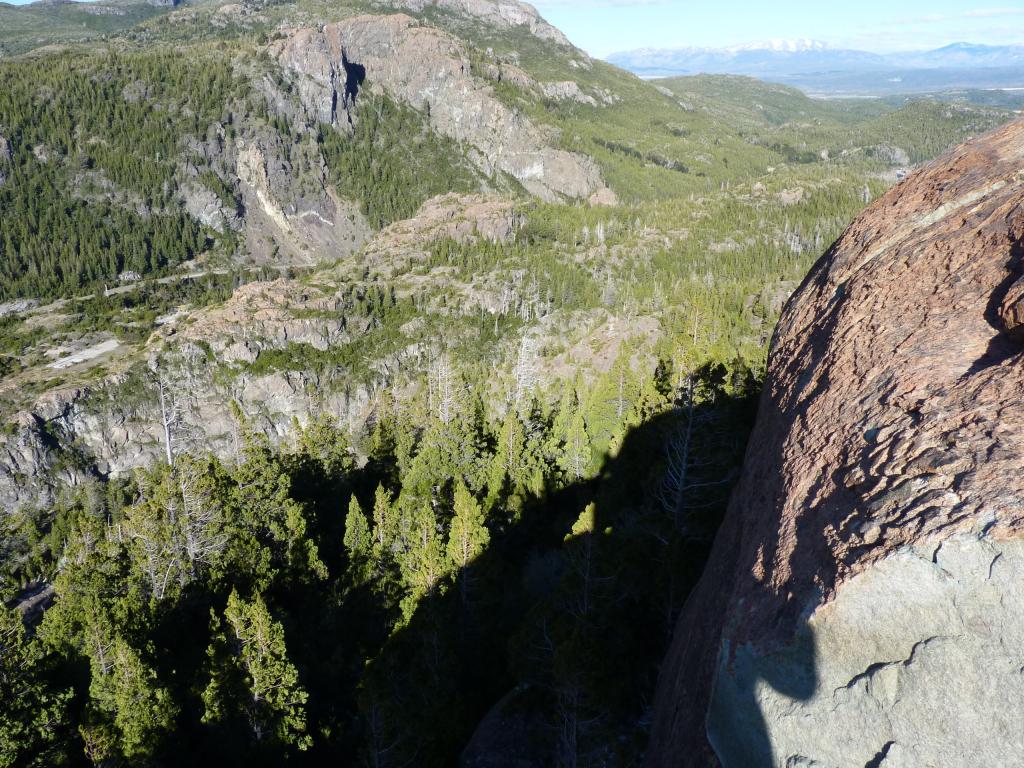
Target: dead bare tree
point(157, 551)
point(442, 387)
point(200, 524)
point(687, 476)
point(177, 384)
point(169, 412)
point(525, 371)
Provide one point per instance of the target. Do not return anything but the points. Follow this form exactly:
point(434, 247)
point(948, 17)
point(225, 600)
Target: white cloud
point(987, 13)
point(976, 13)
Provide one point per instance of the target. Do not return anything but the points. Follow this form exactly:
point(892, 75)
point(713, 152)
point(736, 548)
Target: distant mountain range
point(818, 67)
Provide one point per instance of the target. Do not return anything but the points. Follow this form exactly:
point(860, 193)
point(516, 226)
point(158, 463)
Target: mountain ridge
point(827, 69)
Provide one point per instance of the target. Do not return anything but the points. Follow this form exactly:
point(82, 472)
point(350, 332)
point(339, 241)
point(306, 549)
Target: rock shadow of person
point(737, 726)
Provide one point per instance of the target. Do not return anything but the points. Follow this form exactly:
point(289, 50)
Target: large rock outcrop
point(429, 69)
point(501, 14)
point(111, 427)
point(862, 603)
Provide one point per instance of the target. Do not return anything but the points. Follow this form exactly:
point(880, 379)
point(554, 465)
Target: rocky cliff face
point(430, 70)
point(500, 14)
point(871, 561)
point(5, 157)
point(115, 425)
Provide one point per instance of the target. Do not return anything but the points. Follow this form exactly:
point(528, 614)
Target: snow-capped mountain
point(960, 55)
point(782, 46)
point(758, 59)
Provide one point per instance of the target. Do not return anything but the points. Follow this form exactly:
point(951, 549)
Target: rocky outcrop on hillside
point(861, 605)
point(212, 361)
point(206, 206)
point(501, 14)
point(462, 218)
point(430, 70)
point(273, 190)
point(71, 434)
point(298, 210)
point(5, 157)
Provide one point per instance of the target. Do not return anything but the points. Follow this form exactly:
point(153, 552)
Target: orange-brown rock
point(862, 603)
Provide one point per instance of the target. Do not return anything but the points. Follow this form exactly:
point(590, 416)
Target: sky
point(602, 27)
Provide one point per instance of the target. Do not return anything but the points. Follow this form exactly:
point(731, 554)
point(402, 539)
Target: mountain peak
point(798, 45)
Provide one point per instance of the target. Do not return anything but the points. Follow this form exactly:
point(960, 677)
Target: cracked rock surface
point(872, 557)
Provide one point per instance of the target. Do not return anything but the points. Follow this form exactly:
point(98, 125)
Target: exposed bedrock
point(430, 70)
point(862, 602)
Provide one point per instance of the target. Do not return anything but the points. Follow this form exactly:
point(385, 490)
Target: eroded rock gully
point(872, 558)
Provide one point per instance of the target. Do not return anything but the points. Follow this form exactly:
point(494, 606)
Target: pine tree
point(385, 526)
point(358, 543)
point(467, 536)
point(32, 713)
point(125, 689)
point(576, 452)
point(504, 472)
point(270, 525)
point(423, 563)
point(328, 446)
point(251, 675)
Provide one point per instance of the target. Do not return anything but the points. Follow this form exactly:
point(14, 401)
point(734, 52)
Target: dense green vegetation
point(298, 604)
point(851, 132)
point(91, 184)
point(25, 27)
point(393, 161)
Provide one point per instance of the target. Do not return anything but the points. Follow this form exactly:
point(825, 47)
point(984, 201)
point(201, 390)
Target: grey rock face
point(113, 427)
point(892, 154)
point(206, 207)
point(429, 69)
point(916, 662)
point(301, 215)
point(114, 436)
point(567, 90)
point(5, 157)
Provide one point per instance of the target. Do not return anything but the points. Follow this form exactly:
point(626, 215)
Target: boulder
point(511, 735)
point(567, 90)
point(861, 605)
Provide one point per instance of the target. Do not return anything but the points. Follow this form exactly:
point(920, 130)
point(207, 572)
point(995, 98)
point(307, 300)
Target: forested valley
point(294, 605)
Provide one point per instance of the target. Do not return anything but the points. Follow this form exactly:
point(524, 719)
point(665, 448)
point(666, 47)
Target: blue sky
point(603, 26)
